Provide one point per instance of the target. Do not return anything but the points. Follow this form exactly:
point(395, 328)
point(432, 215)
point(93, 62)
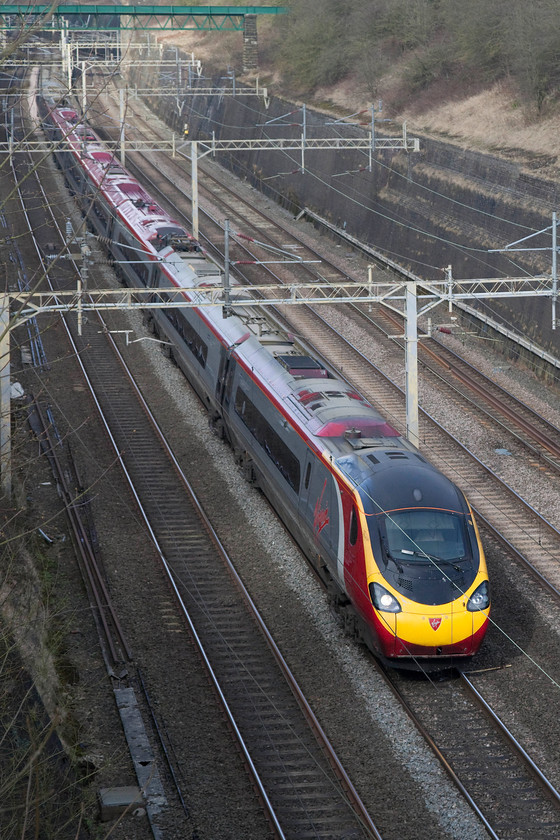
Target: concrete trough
point(113, 801)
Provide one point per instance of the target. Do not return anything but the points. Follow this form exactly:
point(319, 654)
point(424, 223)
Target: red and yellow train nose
point(433, 632)
point(452, 629)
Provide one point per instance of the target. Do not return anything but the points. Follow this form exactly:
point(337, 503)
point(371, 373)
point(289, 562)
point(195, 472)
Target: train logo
point(320, 514)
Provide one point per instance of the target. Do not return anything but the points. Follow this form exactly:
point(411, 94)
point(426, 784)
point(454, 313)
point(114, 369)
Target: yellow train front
point(418, 574)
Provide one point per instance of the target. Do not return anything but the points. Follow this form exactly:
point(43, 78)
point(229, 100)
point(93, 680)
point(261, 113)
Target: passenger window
point(277, 449)
point(307, 475)
point(353, 533)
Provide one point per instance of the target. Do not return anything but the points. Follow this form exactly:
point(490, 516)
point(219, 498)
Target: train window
point(100, 211)
point(353, 532)
point(126, 250)
point(417, 534)
point(277, 450)
point(170, 314)
point(142, 273)
point(157, 242)
point(192, 339)
point(133, 254)
point(307, 475)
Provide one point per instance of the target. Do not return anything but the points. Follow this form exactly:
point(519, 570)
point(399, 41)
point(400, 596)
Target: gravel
point(399, 779)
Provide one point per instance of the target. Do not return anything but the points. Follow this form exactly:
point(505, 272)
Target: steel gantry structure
point(108, 17)
point(407, 294)
point(18, 307)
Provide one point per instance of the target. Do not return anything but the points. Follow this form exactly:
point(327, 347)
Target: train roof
point(399, 478)
point(312, 396)
point(329, 408)
point(150, 223)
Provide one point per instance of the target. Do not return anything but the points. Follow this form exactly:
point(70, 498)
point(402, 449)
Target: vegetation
point(427, 42)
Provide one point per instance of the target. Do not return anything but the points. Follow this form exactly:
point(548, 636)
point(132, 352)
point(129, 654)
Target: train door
point(318, 512)
point(222, 374)
point(223, 380)
point(306, 482)
point(353, 551)
point(224, 390)
point(229, 375)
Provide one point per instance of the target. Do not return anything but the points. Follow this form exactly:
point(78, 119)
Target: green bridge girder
point(146, 18)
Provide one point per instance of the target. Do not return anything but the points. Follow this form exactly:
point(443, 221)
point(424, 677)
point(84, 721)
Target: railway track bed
point(515, 799)
point(276, 740)
point(539, 543)
point(334, 703)
point(525, 540)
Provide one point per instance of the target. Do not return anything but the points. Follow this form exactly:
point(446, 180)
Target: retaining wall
point(441, 206)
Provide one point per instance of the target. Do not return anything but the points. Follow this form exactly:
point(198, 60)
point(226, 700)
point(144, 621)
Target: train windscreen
point(417, 535)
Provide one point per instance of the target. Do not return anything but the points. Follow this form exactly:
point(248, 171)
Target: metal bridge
point(147, 18)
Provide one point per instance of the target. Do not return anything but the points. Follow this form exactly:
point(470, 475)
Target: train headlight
point(480, 599)
point(382, 599)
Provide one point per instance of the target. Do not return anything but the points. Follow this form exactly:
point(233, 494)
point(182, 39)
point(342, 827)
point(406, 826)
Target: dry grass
point(491, 120)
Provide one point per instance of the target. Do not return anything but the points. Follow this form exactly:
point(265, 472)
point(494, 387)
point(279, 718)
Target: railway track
point(530, 806)
point(114, 645)
point(301, 784)
point(539, 432)
point(536, 540)
point(474, 389)
point(255, 687)
point(511, 794)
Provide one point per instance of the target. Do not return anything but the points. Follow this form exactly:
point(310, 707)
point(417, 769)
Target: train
point(394, 540)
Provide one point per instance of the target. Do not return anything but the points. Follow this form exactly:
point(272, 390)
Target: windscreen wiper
point(440, 560)
point(424, 555)
point(391, 557)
